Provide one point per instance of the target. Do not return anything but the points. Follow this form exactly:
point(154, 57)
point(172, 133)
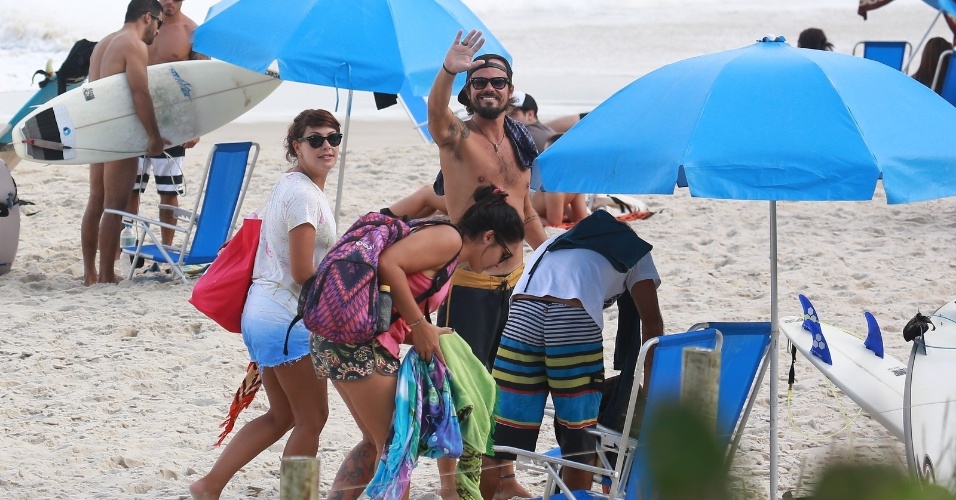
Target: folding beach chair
point(205, 228)
point(944, 81)
point(891, 54)
point(743, 351)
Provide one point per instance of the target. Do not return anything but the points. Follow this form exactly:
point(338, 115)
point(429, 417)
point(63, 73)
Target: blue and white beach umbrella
point(764, 122)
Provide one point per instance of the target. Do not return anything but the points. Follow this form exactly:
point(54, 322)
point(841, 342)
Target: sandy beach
point(117, 391)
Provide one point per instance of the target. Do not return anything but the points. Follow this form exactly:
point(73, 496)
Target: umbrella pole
point(774, 335)
point(342, 152)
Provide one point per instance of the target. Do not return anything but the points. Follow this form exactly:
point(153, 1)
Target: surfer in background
point(124, 51)
point(174, 43)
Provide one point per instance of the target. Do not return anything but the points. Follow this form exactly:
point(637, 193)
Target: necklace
point(489, 140)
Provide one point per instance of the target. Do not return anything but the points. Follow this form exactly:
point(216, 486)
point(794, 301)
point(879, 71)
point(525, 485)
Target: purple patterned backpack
point(340, 302)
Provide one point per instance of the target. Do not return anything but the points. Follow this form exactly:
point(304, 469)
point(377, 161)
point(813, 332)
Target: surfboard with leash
point(97, 122)
point(858, 365)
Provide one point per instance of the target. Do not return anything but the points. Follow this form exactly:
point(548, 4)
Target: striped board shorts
point(168, 170)
point(554, 348)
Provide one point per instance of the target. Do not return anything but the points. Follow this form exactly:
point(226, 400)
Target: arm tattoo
point(530, 218)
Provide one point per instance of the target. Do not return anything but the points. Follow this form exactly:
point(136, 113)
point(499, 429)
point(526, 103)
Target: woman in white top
point(297, 230)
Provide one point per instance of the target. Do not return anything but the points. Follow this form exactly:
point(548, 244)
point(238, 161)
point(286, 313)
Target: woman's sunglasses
point(498, 82)
point(505, 251)
point(316, 140)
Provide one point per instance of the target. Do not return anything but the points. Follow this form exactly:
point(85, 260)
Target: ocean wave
point(29, 33)
point(481, 7)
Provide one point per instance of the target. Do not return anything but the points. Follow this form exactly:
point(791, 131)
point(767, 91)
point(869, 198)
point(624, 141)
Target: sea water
point(570, 54)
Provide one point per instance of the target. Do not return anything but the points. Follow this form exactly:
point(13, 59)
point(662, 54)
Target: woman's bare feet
point(199, 491)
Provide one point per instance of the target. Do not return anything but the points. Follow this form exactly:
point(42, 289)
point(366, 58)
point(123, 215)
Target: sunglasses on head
point(159, 22)
point(316, 140)
point(505, 251)
point(497, 82)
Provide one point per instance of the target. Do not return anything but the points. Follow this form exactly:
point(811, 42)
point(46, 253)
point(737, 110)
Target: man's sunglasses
point(498, 82)
point(159, 22)
point(316, 140)
point(505, 251)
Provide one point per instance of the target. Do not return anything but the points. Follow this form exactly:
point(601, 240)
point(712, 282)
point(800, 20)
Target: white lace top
point(295, 200)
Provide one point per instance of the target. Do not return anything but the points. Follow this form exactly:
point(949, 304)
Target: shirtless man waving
point(111, 182)
point(172, 44)
point(488, 148)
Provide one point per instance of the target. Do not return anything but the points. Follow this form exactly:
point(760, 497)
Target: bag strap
point(306, 286)
point(440, 278)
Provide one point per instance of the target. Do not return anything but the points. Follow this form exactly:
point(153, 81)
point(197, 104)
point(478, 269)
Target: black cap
point(490, 61)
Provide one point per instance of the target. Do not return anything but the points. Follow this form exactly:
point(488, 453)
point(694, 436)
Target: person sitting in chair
point(929, 61)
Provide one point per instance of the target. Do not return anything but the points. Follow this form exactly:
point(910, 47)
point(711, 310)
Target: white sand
point(117, 391)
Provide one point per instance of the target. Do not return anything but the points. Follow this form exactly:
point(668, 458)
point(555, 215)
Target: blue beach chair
point(891, 54)
point(944, 81)
point(743, 351)
point(210, 224)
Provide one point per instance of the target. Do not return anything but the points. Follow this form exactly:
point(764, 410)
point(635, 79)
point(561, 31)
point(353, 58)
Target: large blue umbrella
point(370, 45)
point(764, 122)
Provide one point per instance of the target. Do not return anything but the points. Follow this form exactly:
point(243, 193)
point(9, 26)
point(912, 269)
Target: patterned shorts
point(341, 361)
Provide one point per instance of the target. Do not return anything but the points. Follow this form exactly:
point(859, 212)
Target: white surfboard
point(930, 424)
point(873, 382)
point(9, 220)
point(97, 122)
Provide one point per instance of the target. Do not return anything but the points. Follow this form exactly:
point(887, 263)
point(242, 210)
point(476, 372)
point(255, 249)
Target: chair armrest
point(543, 458)
point(144, 221)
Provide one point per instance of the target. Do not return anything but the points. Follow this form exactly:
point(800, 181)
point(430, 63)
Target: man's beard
point(489, 113)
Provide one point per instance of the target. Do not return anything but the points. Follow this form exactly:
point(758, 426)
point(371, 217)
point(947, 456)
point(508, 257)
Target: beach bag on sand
point(340, 301)
point(220, 292)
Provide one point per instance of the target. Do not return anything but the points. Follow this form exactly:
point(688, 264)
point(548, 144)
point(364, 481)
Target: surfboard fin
point(811, 323)
point(874, 337)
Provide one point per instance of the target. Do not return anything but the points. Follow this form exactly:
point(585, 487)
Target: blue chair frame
point(210, 224)
point(890, 53)
point(743, 348)
point(944, 81)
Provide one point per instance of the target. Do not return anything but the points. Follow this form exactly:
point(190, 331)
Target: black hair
point(814, 38)
point(491, 211)
point(930, 59)
point(137, 8)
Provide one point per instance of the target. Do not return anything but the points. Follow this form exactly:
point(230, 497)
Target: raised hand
point(463, 50)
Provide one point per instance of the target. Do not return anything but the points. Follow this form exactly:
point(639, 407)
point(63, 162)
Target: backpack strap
point(303, 295)
point(444, 274)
